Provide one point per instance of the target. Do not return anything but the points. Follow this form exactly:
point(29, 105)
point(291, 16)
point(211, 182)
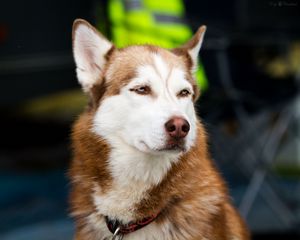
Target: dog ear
point(90, 50)
point(192, 48)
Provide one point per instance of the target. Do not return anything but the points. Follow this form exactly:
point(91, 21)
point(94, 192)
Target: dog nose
point(177, 127)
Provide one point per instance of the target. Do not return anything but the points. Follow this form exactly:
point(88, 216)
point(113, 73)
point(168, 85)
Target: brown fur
point(192, 197)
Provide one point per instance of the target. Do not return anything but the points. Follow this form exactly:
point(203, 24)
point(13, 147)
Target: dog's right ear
point(90, 50)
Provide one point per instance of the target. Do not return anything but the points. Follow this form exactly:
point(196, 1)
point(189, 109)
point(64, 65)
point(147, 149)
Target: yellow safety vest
point(158, 22)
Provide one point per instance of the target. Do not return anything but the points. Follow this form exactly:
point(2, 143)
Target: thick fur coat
point(127, 163)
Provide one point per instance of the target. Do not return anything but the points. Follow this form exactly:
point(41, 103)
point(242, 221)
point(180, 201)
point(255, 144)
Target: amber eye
point(184, 93)
point(142, 90)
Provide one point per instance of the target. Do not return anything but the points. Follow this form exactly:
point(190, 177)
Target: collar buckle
point(117, 235)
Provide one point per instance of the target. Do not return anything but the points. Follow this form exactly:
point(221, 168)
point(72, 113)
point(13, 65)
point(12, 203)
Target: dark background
point(250, 58)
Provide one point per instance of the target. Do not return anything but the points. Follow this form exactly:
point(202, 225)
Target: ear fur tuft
point(196, 43)
point(192, 47)
point(90, 48)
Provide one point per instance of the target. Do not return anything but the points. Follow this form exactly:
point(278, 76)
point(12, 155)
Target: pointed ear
point(90, 50)
point(192, 47)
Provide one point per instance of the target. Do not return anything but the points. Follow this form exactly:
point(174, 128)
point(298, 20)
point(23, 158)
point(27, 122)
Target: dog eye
point(184, 93)
point(142, 90)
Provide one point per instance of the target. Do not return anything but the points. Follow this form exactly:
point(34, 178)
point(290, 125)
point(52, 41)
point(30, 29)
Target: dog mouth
point(174, 145)
point(171, 146)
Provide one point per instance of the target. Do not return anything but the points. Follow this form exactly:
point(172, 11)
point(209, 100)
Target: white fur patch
point(120, 201)
point(162, 67)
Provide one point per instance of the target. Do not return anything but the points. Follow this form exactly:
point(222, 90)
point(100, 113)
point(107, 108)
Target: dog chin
point(167, 149)
point(173, 148)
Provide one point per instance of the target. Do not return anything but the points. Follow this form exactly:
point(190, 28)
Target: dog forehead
point(126, 63)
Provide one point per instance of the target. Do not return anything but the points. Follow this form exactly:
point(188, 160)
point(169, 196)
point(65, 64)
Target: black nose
point(177, 127)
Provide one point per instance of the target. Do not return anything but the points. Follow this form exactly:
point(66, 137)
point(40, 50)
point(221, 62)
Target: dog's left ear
point(192, 48)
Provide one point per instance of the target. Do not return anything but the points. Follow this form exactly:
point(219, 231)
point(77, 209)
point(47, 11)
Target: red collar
point(130, 227)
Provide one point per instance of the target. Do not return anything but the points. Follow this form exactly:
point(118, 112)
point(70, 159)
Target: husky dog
point(141, 168)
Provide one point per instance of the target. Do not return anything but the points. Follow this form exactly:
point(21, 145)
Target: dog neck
point(126, 163)
point(134, 174)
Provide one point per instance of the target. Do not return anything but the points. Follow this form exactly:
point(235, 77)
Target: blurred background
point(249, 74)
